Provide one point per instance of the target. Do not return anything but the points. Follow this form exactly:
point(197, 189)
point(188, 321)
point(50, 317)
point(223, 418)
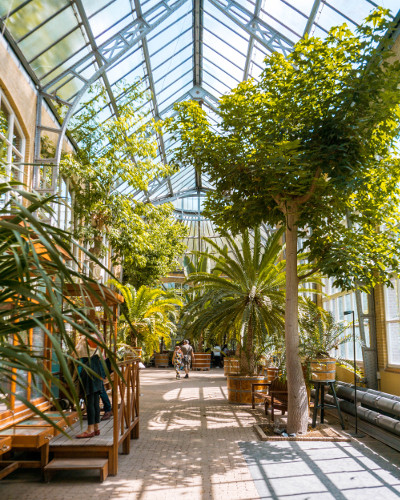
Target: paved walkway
point(195, 445)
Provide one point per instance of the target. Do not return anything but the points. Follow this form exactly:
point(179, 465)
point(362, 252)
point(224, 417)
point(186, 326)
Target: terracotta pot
point(239, 387)
point(161, 360)
point(202, 361)
point(322, 370)
point(231, 366)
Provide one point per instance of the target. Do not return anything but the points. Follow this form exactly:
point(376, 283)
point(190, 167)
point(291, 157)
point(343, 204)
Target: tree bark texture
point(297, 397)
point(247, 362)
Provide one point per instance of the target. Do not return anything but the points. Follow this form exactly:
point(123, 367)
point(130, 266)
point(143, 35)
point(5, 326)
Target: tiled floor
point(194, 444)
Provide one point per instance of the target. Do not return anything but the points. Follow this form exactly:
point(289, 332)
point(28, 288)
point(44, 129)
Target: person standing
point(188, 356)
point(91, 385)
point(177, 360)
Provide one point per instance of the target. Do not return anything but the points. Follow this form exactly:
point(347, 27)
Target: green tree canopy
point(311, 145)
point(121, 151)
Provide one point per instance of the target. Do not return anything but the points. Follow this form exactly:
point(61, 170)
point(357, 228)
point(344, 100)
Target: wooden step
point(76, 464)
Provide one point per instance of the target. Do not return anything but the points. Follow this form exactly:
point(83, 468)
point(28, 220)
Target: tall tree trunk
point(297, 398)
point(247, 361)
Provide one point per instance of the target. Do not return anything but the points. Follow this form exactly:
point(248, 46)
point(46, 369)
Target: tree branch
point(310, 273)
point(306, 197)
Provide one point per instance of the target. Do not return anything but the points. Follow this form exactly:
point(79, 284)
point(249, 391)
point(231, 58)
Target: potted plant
point(320, 335)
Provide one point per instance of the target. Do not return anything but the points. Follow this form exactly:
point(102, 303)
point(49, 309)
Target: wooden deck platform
point(96, 447)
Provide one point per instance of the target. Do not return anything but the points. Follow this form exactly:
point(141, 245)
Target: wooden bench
point(277, 396)
point(57, 464)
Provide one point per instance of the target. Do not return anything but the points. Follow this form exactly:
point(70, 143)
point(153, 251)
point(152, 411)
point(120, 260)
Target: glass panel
point(38, 348)
point(16, 169)
point(59, 52)
point(7, 7)
point(392, 300)
point(17, 140)
point(340, 308)
point(22, 375)
point(5, 387)
point(348, 304)
point(92, 6)
point(394, 343)
point(33, 14)
point(49, 33)
point(110, 15)
point(4, 119)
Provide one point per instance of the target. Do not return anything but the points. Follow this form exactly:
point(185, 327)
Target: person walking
point(177, 360)
point(188, 356)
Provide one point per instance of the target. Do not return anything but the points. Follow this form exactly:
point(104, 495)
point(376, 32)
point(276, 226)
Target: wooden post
point(114, 468)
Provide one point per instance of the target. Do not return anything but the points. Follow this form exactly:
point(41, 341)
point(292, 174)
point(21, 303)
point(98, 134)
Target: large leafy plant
point(148, 317)
point(33, 279)
point(115, 157)
point(320, 334)
point(310, 145)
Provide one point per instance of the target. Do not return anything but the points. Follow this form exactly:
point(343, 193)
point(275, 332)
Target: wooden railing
point(125, 407)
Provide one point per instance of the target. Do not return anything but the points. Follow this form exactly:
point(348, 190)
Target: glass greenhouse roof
point(181, 49)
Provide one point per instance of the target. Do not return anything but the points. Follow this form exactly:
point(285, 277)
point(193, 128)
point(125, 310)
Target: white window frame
point(13, 124)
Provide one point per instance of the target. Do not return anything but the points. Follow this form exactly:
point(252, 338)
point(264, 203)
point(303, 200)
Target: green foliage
point(242, 298)
point(121, 150)
point(319, 333)
point(33, 276)
point(315, 137)
point(148, 316)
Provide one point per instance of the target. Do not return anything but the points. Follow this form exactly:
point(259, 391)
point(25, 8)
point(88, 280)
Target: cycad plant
point(148, 317)
point(33, 275)
point(243, 296)
point(319, 333)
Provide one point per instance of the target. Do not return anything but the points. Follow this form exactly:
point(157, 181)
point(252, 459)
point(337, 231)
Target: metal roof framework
point(180, 49)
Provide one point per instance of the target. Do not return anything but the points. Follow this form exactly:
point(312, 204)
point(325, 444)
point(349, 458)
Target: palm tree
point(33, 275)
point(243, 296)
point(149, 316)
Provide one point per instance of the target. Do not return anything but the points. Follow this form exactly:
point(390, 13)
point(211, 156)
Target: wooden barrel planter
point(271, 373)
point(239, 387)
point(231, 366)
point(322, 370)
point(135, 352)
point(202, 361)
point(161, 360)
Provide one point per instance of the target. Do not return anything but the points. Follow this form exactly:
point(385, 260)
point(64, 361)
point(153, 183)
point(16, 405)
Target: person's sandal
point(85, 434)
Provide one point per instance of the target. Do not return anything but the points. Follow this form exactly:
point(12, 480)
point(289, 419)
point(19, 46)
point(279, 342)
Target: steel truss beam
point(257, 28)
point(108, 54)
point(198, 42)
point(251, 43)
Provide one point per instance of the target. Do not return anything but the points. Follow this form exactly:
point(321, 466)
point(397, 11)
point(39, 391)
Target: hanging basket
point(322, 370)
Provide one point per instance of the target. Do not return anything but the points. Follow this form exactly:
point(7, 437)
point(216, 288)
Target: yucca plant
point(148, 317)
point(33, 275)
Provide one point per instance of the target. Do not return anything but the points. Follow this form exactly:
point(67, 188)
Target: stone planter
point(202, 361)
point(239, 387)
